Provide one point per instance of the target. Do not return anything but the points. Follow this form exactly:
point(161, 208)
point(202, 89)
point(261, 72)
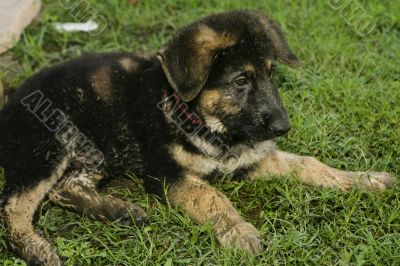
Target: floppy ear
point(275, 34)
point(187, 59)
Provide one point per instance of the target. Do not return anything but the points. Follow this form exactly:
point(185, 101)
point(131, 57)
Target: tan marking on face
point(249, 68)
point(230, 108)
point(211, 99)
point(101, 83)
point(128, 64)
point(214, 124)
point(19, 212)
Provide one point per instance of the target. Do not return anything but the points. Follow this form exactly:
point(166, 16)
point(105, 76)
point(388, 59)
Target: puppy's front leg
point(204, 203)
point(312, 171)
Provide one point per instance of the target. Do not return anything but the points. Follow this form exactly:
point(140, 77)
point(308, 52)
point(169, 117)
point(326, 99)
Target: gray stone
point(15, 15)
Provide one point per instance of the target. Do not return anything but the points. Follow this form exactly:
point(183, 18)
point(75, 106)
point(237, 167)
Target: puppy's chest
point(241, 157)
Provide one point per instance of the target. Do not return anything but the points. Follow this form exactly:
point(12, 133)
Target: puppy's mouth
point(261, 135)
point(262, 132)
point(252, 133)
point(248, 130)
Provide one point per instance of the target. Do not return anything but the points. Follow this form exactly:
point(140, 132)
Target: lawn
point(345, 108)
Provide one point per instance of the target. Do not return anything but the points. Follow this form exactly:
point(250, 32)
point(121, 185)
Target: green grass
point(345, 108)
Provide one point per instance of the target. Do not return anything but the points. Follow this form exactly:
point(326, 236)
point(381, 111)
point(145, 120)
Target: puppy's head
point(223, 64)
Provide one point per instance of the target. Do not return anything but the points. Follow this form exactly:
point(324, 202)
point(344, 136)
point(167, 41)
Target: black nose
point(278, 122)
point(280, 128)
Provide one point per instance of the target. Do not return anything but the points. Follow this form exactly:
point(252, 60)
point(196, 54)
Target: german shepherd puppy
point(204, 106)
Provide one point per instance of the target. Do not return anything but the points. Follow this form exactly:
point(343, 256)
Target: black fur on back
point(130, 130)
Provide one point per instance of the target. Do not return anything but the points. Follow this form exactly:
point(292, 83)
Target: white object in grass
point(76, 27)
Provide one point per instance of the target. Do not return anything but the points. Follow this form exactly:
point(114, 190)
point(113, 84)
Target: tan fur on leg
point(19, 211)
point(78, 192)
point(312, 171)
point(204, 203)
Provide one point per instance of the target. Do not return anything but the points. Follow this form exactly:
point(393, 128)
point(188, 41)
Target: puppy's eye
point(241, 81)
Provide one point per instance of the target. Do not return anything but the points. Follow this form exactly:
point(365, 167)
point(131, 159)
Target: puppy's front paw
point(243, 236)
point(36, 262)
point(132, 215)
point(51, 260)
point(375, 180)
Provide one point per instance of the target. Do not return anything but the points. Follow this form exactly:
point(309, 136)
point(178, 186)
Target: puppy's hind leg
point(19, 210)
point(78, 192)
